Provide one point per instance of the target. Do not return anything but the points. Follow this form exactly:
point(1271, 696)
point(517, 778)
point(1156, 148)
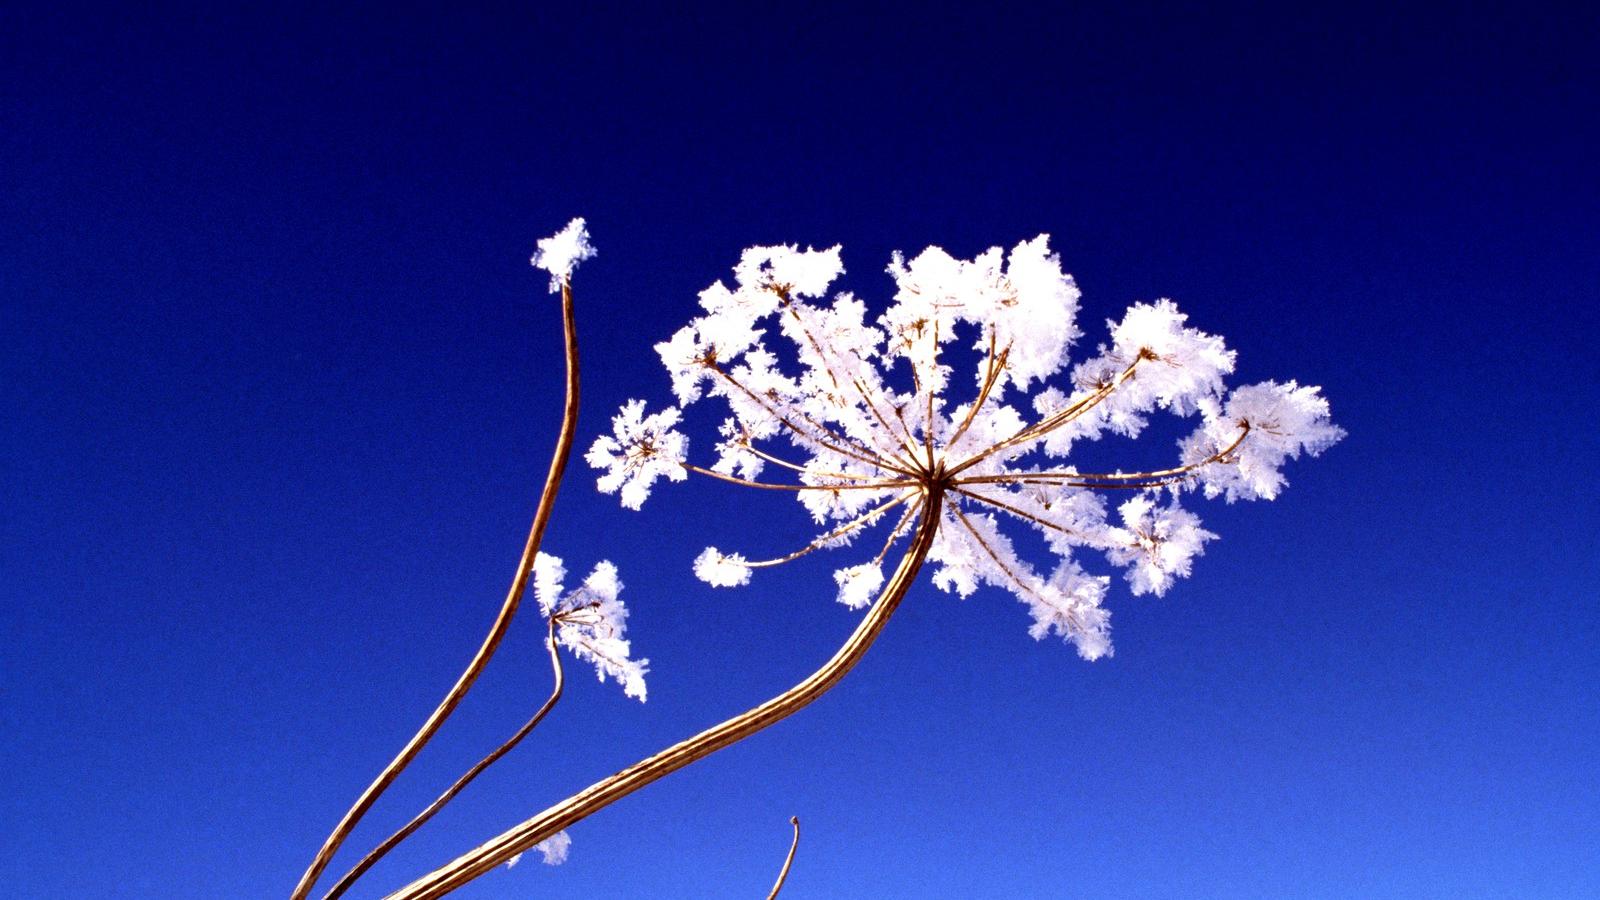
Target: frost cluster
point(553, 848)
point(865, 418)
point(640, 450)
point(590, 621)
point(560, 253)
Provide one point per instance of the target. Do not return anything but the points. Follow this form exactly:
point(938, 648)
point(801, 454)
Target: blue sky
point(277, 389)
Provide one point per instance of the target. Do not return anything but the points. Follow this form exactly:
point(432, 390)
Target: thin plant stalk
point(394, 840)
point(788, 861)
point(521, 837)
point(497, 631)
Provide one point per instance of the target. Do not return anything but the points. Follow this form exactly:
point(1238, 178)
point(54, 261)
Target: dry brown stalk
point(524, 836)
point(497, 631)
point(788, 860)
point(378, 852)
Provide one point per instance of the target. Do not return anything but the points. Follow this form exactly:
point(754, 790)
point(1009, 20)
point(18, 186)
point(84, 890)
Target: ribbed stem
point(603, 793)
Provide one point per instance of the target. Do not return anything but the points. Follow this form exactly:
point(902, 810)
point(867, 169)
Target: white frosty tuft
point(858, 584)
point(555, 848)
point(639, 450)
point(560, 253)
point(591, 621)
point(1157, 544)
point(721, 570)
point(1285, 420)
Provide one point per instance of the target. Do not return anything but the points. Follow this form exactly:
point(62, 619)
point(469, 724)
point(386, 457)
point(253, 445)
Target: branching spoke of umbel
point(560, 255)
point(604, 793)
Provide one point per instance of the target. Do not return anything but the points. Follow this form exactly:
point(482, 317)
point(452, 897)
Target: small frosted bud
point(721, 570)
point(561, 252)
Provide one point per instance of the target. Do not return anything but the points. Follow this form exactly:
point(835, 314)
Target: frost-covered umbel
point(590, 620)
point(865, 405)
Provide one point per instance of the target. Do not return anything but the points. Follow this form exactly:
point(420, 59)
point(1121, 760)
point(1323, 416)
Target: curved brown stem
point(393, 840)
point(603, 793)
point(497, 631)
point(788, 860)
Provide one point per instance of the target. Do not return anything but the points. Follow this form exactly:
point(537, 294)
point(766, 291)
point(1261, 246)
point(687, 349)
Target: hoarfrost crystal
point(561, 252)
point(553, 849)
point(590, 620)
point(876, 425)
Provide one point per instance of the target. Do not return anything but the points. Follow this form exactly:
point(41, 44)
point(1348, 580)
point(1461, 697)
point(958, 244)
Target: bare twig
point(788, 860)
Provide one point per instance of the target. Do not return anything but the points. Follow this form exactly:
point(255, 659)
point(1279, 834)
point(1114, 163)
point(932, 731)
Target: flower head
point(640, 450)
point(877, 426)
point(590, 621)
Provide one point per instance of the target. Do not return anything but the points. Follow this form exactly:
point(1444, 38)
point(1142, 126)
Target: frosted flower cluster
point(590, 620)
point(561, 252)
point(869, 418)
point(640, 450)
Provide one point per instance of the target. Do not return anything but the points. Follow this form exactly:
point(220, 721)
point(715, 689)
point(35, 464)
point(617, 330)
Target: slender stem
point(603, 793)
point(1115, 476)
point(1072, 411)
point(1056, 420)
point(1015, 578)
point(1092, 485)
point(927, 431)
point(749, 444)
point(497, 630)
point(867, 518)
point(909, 443)
point(899, 529)
point(1105, 481)
point(788, 860)
point(1021, 514)
point(870, 458)
point(822, 359)
point(873, 486)
point(393, 840)
point(992, 370)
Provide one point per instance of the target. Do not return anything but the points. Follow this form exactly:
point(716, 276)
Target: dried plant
point(865, 422)
point(588, 622)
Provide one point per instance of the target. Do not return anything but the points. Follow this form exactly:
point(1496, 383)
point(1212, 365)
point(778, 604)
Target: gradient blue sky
point(277, 387)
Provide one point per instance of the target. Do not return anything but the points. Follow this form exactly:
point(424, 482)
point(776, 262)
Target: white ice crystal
point(859, 584)
point(719, 570)
point(553, 848)
point(561, 252)
point(875, 425)
point(590, 621)
point(1157, 544)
